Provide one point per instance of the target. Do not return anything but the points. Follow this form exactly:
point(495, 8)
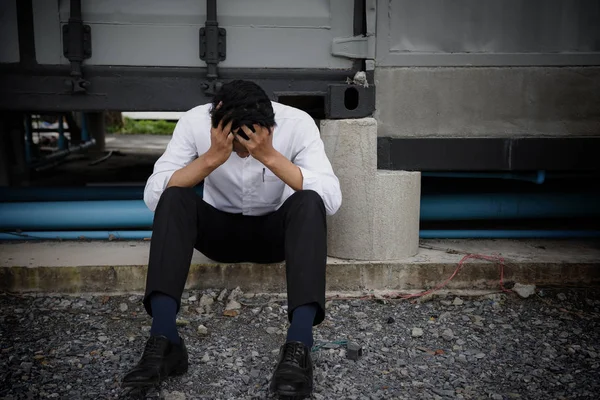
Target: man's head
point(242, 103)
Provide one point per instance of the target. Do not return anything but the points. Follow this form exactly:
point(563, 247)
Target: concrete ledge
point(72, 267)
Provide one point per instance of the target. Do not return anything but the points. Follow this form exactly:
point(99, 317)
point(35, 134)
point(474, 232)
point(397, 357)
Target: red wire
point(461, 264)
point(496, 259)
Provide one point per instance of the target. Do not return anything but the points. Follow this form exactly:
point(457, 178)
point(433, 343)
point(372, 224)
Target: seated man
point(266, 203)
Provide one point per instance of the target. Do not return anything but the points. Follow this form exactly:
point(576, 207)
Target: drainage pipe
point(60, 154)
point(77, 235)
point(73, 215)
point(538, 178)
point(129, 214)
point(509, 206)
point(507, 234)
point(74, 193)
point(424, 234)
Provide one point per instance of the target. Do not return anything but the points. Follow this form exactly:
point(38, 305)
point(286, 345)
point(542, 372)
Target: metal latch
point(362, 47)
point(77, 46)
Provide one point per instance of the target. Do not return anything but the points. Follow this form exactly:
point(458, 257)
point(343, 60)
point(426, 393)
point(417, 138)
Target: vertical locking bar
point(212, 47)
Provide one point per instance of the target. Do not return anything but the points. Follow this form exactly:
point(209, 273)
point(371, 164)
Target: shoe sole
point(283, 396)
point(177, 371)
point(292, 395)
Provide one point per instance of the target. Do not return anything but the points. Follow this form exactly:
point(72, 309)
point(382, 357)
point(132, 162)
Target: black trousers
point(296, 233)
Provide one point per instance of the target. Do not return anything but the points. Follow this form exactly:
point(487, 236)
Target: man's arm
point(317, 173)
point(310, 169)
point(180, 164)
point(180, 152)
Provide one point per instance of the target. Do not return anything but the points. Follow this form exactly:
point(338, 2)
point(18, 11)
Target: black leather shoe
point(293, 376)
point(161, 359)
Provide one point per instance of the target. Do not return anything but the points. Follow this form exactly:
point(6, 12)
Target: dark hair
point(243, 103)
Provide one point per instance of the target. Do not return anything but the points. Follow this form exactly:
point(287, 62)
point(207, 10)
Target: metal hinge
point(361, 47)
point(213, 43)
point(77, 46)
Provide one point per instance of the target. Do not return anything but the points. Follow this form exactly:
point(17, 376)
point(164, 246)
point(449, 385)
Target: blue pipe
point(77, 235)
point(68, 215)
point(509, 206)
point(127, 214)
point(538, 178)
point(28, 194)
point(74, 193)
point(424, 234)
point(506, 234)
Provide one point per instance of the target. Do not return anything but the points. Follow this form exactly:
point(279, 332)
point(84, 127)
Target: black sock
point(303, 318)
point(164, 314)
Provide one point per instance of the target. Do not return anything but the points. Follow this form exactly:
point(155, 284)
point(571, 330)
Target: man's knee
point(308, 198)
point(175, 195)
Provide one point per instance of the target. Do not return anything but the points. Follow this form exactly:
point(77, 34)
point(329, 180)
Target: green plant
point(143, 126)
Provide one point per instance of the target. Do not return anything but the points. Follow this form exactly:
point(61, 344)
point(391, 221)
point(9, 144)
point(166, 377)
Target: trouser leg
point(302, 220)
point(173, 237)
point(182, 222)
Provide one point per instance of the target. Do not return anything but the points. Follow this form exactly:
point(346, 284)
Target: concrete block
point(396, 215)
point(379, 216)
point(487, 101)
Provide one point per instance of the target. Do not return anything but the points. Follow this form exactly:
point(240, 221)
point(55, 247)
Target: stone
point(102, 338)
point(123, 307)
point(447, 334)
point(174, 395)
point(202, 330)
point(182, 322)
point(271, 331)
point(458, 301)
point(561, 296)
point(205, 358)
point(417, 332)
point(206, 300)
point(231, 313)
point(222, 295)
point(192, 299)
point(235, 294)
point(233, 305)
point(524, 291)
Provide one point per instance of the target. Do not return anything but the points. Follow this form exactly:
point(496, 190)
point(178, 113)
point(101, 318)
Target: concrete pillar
point(97, 129)
point(379, 216)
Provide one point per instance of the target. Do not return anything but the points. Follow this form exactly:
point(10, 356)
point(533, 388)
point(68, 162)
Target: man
point(268, 187)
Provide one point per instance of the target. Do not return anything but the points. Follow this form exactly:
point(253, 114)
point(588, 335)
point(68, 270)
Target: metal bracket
point(213, 43)
point(77, 46)
point(73, 51)
point(359, 47)
point(212, 47)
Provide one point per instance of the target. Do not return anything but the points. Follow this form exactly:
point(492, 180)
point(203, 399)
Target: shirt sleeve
point(180, 151)
point(317, 173)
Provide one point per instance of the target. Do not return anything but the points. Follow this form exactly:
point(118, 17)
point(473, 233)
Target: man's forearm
point(193, 173)
point(285, 170)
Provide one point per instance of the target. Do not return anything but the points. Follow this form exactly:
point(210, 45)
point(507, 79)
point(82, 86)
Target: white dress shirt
point(244, 185)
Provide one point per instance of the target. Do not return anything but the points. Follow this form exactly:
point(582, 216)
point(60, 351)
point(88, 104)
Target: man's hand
point(260, 146)
point(221, 145)
point(259, 143)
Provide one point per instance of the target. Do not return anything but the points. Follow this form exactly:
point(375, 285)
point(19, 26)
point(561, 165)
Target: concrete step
point(71, 267)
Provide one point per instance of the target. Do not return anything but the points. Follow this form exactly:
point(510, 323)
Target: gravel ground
point(490, 347)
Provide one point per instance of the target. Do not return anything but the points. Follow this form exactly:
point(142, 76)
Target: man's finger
point(227, 129)
point(259, 129)
point(243, 141)
point(247, 131)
